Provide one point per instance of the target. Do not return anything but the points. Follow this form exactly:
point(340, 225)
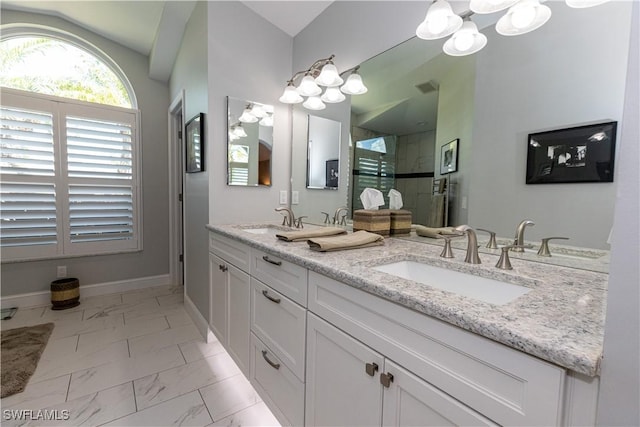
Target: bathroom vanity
point(347, 338)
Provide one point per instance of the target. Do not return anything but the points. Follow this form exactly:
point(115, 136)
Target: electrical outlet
point(295, 197)
point(283, 197)
point(62, 271)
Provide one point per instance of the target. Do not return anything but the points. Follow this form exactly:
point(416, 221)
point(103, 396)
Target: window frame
point(64, 107)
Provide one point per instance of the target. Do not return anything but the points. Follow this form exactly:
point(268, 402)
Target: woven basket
point(65, 293)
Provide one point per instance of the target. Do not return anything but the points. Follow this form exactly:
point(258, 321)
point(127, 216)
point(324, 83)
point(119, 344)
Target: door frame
point(176, 190)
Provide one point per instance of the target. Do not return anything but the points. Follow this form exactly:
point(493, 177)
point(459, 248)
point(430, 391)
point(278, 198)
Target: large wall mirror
point(323, 153)
point(570, 72)
point(249, 142)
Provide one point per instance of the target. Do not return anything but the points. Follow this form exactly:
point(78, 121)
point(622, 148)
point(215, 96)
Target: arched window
point(69, 145)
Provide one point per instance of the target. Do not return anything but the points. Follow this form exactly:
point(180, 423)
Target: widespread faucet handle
point(446, 251)
point(492, 238)
point(326, 218)
point(504, 263)
point(544, 246)
point(299, 223)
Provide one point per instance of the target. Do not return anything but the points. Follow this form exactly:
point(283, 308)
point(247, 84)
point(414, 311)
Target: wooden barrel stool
point(65, 293)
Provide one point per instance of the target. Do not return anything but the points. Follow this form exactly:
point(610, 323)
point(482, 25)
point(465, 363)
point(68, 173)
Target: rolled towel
point(359, 239)
point(300, 235)
point(423, 231)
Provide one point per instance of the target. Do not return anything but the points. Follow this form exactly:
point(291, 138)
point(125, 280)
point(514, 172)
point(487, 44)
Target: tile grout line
point(66, 398)
point(213, 420)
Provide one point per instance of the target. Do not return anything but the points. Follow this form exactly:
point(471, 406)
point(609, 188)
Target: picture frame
point(194, 144)
point(572, 155)
point(449, 157)
point(332, 173)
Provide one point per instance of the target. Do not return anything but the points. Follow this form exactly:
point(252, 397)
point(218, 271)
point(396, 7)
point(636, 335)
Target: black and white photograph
point(332, 173)
point(449, 157)
point(194, 144)
point(577, 154)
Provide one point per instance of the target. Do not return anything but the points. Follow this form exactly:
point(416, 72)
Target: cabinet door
point(411, 401)
point(218, 294)
point(340, 392)
point(239, 294)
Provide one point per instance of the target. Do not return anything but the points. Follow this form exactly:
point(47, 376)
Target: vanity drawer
point(503, 384)
point(231, 251)
point(287, 278)
point(280, 389)
point(280, 323)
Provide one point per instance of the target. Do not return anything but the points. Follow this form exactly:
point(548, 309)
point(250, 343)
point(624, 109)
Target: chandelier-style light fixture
point(322, 73)
point(257, 112)
point(521, 17)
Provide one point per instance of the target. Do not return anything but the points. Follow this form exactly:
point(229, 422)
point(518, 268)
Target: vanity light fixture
point(247, 115)
point(322, 73)
point(522, 16)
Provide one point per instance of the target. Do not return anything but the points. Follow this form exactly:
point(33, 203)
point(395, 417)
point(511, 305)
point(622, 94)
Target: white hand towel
point(395, 199)
point(371, 199)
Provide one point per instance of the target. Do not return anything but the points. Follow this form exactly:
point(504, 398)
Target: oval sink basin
point(480, 288)
point(260, 230)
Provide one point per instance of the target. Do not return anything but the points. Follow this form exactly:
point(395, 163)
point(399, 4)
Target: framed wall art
point(449, 157)
point(194, 144)
point(571, 155)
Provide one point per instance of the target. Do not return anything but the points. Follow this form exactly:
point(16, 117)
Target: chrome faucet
point(472, 244)
point(289, 218)
point(336, 216)
point(518, 242)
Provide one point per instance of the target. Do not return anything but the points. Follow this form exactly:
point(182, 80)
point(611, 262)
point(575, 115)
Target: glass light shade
point(490, 6)
point(333, 95)
point(439, 22)
point(268, 108)
point(247, 117)
point(232, 136)
point(580, 4)
point(465, 41)
point(239, 132)
point(314, 103)
point(354, 85)
point(308, 87)
point(329, 76)
point(267, 121)
point(258, 111)
point(525, 16)
point(291, 95)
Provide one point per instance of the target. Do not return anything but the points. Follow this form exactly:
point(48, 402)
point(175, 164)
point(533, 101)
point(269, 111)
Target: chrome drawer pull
point(269, 297)
point(273, 365)
point(270, 261)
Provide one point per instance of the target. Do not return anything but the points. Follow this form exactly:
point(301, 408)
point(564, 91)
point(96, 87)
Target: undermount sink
point(481, 288)
point(260, 230)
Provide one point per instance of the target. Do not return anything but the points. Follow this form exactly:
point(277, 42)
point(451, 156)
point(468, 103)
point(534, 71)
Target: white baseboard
point(34, 299)
point(198, 319)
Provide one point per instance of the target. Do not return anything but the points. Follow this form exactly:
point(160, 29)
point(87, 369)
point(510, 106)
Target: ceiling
point(154, 28)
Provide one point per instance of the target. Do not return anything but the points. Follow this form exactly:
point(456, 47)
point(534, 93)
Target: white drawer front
point(280, 389)
point(287, 278)
point(280, 323)
point(503, 384)
point(231, 251)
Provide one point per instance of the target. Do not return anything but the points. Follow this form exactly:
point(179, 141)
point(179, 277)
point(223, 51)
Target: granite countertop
point(561, 320)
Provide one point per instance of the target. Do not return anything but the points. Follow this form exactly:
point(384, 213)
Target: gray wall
point(190, 74)
point(518, 92)
point(249, 58)
point(153, 101)
point(620, 386)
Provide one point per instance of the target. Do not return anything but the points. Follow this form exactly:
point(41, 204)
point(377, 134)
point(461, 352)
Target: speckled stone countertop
point(561, 320)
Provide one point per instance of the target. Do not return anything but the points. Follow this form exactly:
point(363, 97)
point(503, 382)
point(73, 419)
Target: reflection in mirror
point(552, 78)
point(249, 142)
point(323, 158)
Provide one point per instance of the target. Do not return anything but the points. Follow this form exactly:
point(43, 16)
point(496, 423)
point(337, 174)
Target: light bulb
point(290, 95)
point(523, 16)
point(463, 40)
point(332, 95)
point(314, 103)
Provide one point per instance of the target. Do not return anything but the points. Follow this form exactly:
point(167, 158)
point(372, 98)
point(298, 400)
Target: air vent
point(428, 87)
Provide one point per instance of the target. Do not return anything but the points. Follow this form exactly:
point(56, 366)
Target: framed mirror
point(249, 142)
point(323, 153)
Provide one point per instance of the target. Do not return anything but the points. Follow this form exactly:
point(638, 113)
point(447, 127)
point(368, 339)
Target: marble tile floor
point(131, 359)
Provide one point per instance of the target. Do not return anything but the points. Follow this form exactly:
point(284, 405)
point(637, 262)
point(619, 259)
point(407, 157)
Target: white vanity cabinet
point(230, 292)
point(349, 384)
point(462, 377)
point(278, 328)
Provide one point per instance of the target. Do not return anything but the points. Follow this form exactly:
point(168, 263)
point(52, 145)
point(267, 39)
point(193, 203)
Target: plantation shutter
point(99, 164)
point(69, 177)
point(371, 170)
